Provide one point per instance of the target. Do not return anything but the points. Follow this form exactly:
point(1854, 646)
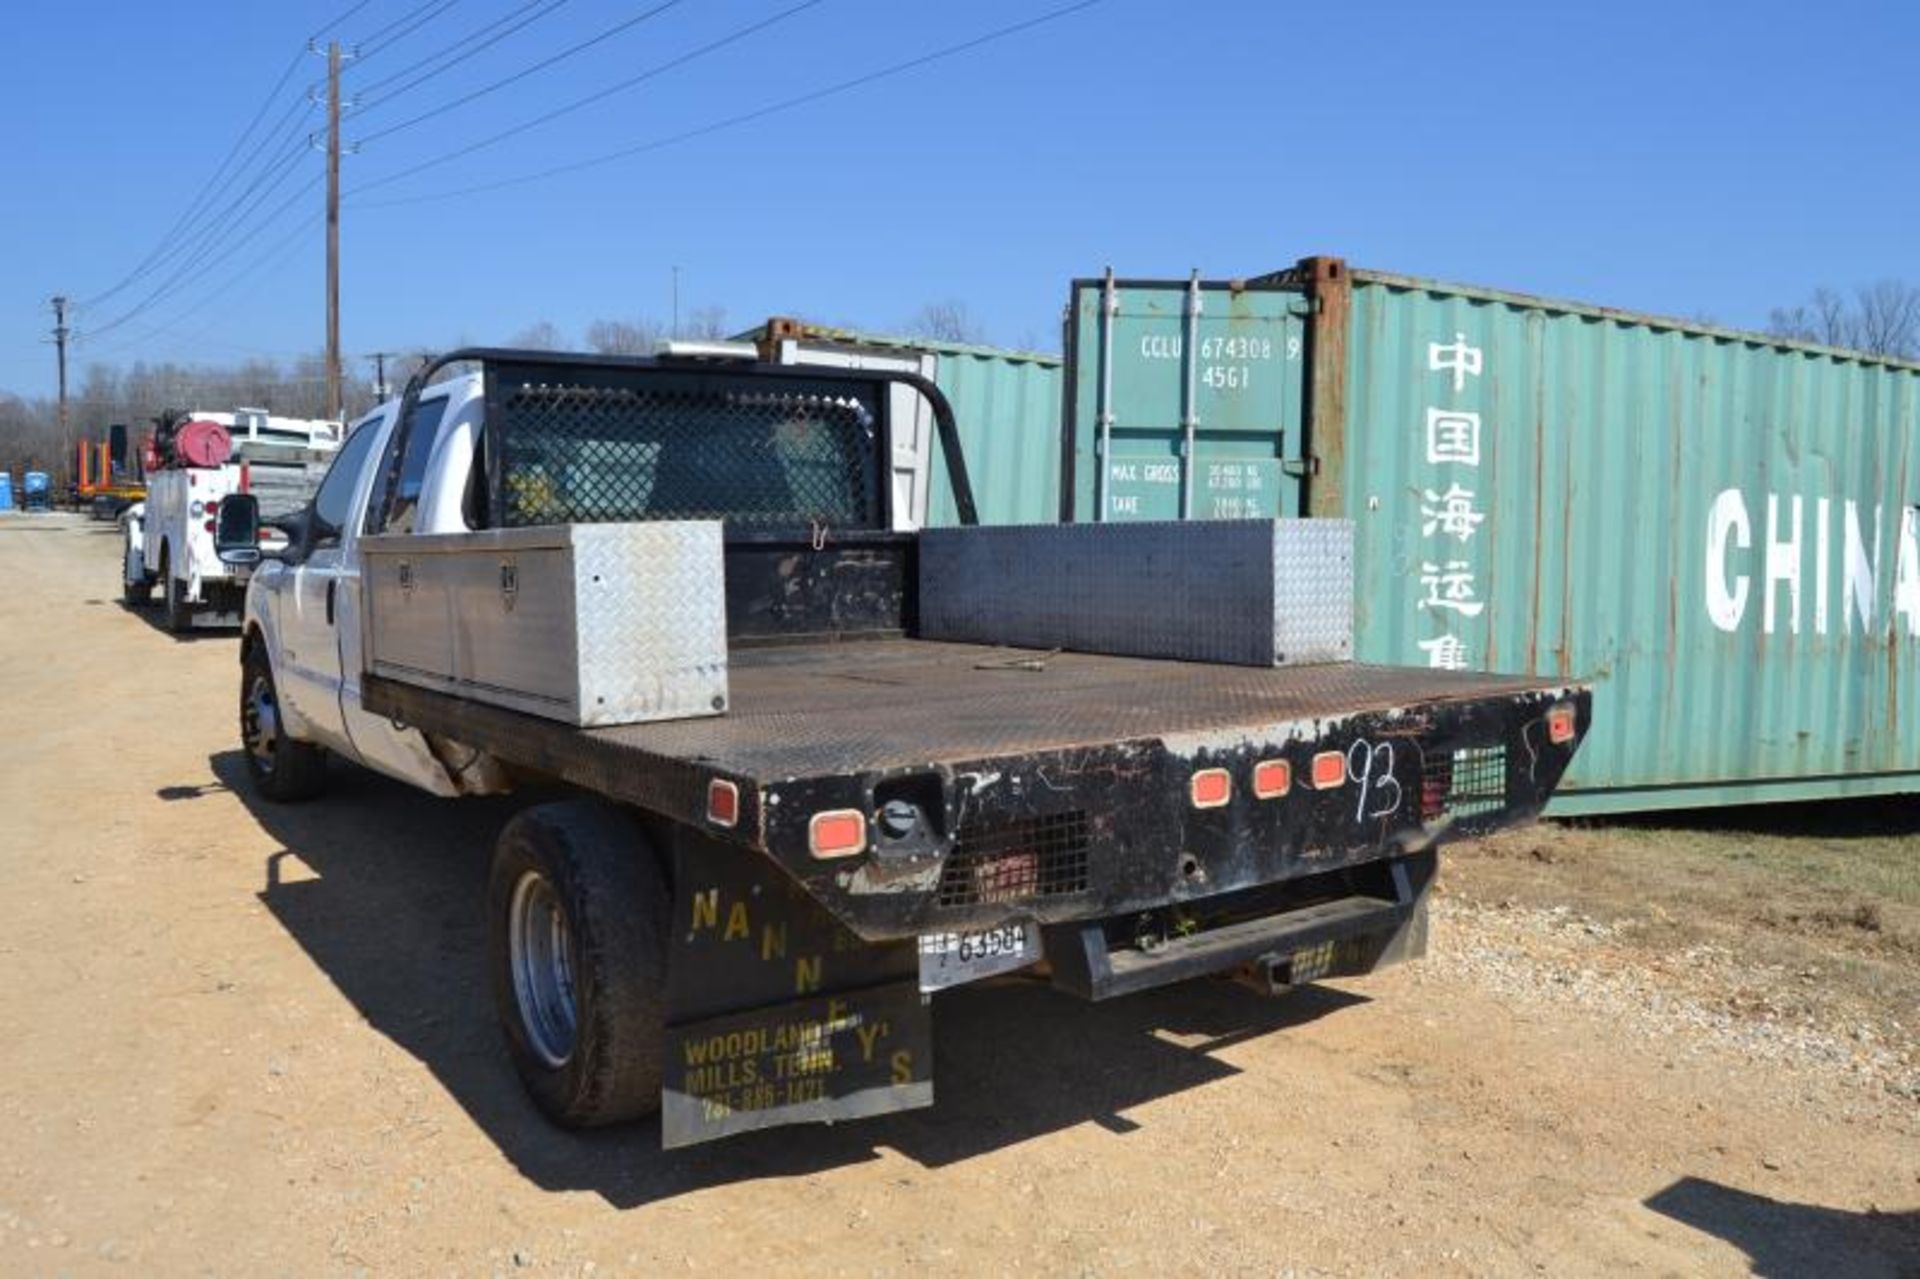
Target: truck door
point(309, 633)
point(377, 741)
point(1186, 399)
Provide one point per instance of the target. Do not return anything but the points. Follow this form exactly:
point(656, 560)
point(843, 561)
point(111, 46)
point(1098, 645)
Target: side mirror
point(236, 530)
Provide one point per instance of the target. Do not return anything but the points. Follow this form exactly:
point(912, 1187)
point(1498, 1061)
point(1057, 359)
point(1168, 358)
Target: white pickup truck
point(168, 536)
point(739, 916)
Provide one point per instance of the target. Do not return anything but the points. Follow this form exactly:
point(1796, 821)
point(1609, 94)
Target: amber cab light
point(723, 803)
point(1560, 725)
point(839, 832)
point(1211, 788)
point(1329, 770)
point(1272, 778)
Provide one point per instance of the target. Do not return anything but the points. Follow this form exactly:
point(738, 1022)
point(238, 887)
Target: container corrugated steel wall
point(1716, 528)
point(1006, 403)
point(1008, 409)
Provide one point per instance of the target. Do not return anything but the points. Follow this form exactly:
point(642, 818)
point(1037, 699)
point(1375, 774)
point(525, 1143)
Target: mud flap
point(776, 1013)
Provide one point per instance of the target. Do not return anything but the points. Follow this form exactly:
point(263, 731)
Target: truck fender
point(260, 631)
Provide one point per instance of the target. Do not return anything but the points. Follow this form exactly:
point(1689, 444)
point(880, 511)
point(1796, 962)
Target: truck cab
point(304, 605)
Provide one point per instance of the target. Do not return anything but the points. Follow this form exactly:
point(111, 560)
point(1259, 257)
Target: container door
point(1185, 400)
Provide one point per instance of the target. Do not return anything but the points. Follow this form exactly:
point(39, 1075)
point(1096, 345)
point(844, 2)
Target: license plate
point(949, 959)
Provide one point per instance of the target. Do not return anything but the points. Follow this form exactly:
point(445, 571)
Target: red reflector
point(208, 526)
point(1272, 778)
point(723, 803)
point(1329, 770)
point(1211, 788)
point(839, 833)
point(1560, 725)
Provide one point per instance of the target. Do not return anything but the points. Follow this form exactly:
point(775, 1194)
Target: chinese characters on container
point(1450, 518)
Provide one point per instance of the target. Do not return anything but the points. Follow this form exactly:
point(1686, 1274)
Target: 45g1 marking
point(1370, 767)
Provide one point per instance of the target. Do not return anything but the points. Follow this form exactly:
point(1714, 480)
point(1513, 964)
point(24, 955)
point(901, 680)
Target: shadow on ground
point(155, 615)
point(1874, 817)
point(1791, 1239)
point(392, 912)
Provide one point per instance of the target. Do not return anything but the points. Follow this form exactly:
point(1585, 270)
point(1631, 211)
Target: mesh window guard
point(761, 452)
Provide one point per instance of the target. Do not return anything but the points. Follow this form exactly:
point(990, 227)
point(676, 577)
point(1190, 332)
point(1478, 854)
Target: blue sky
point(1688, 159)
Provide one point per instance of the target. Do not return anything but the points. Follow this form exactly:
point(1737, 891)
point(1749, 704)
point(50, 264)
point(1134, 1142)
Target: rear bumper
point(1105, 831)
point(1380, 918)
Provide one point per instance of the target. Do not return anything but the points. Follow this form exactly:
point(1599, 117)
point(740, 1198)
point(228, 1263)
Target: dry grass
point(1827, 894)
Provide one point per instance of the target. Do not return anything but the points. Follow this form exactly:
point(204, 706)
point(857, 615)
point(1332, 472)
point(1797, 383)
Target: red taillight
point(1329, 770)
point(1272, 778)
point(723, 804)
point(1560, 725)
point(841, 832)
point(208, 526)
point(1211, 788)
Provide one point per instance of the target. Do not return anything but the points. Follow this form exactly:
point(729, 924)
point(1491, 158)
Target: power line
point(217, 217)
point(371, 44)
point(747, 117)
point(336, 20)
point(712, 46)
point(524, 72)
point(274, 253)
point(195, 206)
point(173, 282)
point(369, 90)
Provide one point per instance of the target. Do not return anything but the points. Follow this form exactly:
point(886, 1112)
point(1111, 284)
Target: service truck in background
point(814, 768)
point(193, 461)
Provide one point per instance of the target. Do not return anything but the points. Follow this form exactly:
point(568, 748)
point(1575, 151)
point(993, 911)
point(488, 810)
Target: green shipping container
point(1718, 528)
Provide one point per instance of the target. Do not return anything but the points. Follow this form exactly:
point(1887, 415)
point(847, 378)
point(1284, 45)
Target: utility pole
point(60, 332)
point(379, 359)
point(334, 407)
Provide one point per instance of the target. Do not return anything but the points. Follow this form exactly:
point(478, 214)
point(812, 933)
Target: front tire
point(577, 918)
point(282, 769)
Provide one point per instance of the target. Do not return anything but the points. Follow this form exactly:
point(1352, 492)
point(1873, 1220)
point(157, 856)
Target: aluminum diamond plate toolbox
point(589, 624)
point(1244, 592)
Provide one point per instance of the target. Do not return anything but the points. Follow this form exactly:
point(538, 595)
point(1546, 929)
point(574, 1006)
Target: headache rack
point(589, 439)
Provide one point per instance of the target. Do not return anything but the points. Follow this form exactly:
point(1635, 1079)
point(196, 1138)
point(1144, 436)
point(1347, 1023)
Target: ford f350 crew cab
point(821, 768)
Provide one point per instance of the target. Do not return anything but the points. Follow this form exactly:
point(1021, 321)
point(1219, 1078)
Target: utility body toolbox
point(852, 815)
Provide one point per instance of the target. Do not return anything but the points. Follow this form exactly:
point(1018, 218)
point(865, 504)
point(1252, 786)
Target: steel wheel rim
point(540, 953)
point(260, 722)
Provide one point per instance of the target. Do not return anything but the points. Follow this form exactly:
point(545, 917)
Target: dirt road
point(243, 1040)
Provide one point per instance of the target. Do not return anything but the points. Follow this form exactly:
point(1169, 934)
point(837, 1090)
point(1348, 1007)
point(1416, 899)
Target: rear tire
point(179, 608)
point(282, 769)
point(577, 916)
point(137, 594)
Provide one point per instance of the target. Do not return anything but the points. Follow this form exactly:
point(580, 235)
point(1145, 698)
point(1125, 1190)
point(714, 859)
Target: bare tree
point(947, 321)
point(625, 337)
point(1882, 318)
point(543, 335)
point(708, 323)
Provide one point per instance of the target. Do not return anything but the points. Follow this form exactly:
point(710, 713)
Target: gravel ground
point(237, 1039)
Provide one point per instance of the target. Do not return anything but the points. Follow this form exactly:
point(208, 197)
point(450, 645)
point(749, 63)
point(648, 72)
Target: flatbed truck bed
point(997, 740)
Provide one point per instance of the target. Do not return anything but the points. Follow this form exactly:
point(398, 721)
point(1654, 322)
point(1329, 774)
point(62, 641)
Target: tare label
point(1148, 488)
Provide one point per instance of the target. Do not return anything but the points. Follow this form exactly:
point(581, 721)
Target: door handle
point(331, 586)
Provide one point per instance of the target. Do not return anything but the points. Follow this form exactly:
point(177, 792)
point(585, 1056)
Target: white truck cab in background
point(168, 537)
